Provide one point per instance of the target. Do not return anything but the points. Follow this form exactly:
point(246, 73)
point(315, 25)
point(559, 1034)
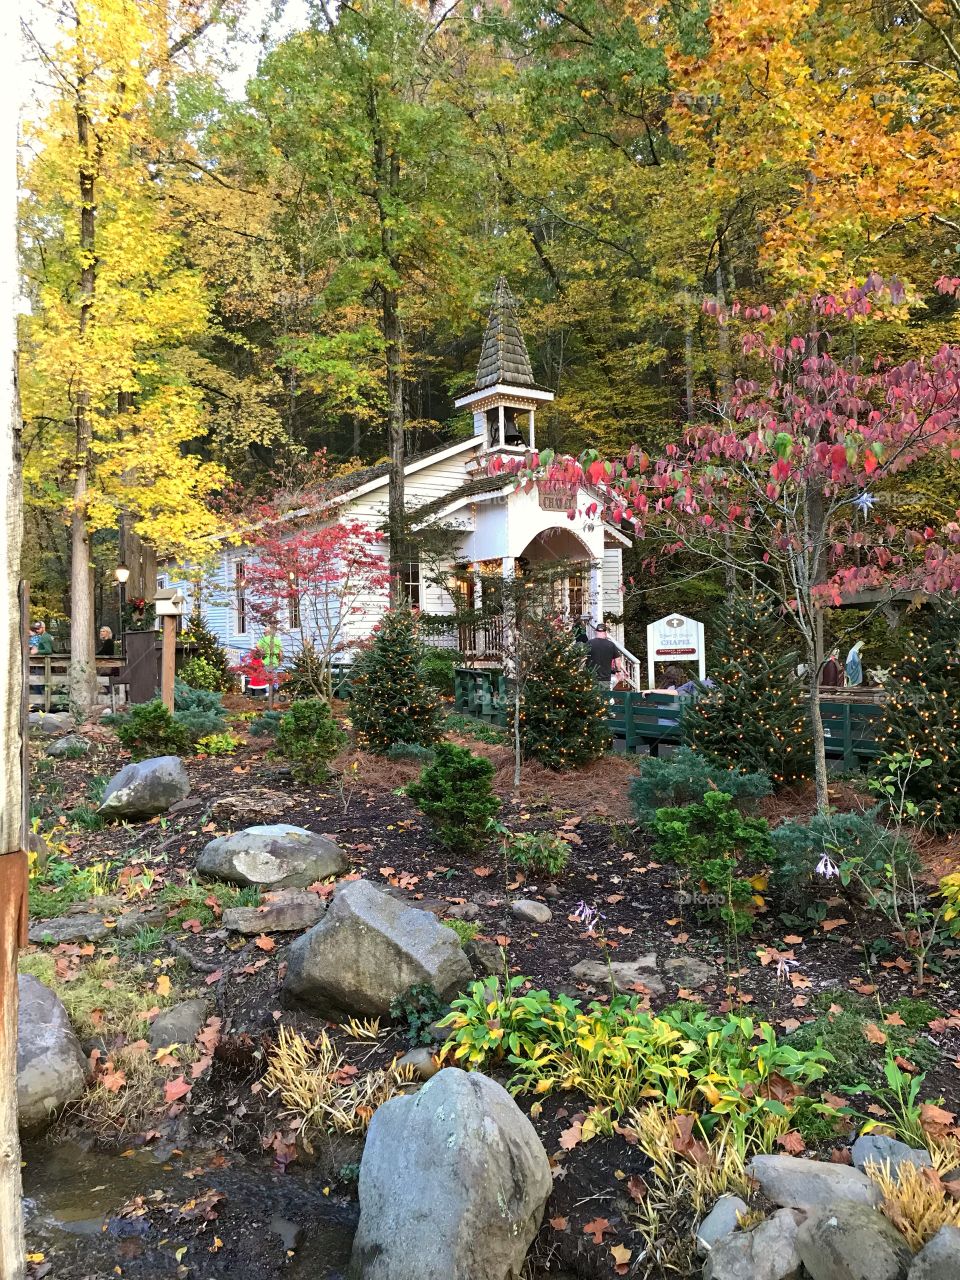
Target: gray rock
point(146, 788)
point(719, 1222)
point(49, 723)
point(879, 1148)
point(687, 971)
point(278, 856)
point(768, 1252)
point(289, 911)
point(179, 1024)
point(853, 1242)
point(256, 804)
point(51, 1068)
point(131, 921)
point(463, 910)
point(486, 957)
point(70, 745)
point(422, 1062)
point(804, 1184)
point(530, 909)
point(75, 928)
point(453, 1184)
point(939, 1259)
point(625, 974)
point(370, 948)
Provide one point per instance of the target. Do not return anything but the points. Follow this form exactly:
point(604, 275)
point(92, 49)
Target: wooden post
point(168, 655)
point(13, 862)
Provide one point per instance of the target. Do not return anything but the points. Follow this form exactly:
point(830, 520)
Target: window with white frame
point(410, 582)
point(240, 597)
point(293, 603)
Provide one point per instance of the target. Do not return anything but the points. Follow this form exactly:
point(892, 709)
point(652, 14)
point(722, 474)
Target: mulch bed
point(611, 870)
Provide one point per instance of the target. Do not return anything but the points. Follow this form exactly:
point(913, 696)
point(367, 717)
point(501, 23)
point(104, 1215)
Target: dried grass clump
point(320, 1090)
point(915, 1201)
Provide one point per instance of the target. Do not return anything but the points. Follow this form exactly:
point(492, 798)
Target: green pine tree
point(206, 645)
point(393, 699)
point(563, 712)
point(755, 715)
point(922, 712)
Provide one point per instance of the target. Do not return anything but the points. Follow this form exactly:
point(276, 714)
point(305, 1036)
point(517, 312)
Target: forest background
point(220, 286)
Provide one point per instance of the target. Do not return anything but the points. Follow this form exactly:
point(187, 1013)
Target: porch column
point(501, 425)
point(532, 437)
point(596, 590)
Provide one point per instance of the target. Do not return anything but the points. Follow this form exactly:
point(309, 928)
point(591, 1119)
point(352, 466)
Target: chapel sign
point(675, 639)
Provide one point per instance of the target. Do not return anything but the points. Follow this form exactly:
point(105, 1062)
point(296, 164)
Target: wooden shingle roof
point(503, 356)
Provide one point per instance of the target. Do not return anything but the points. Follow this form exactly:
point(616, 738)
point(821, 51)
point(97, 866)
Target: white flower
point(827, 868)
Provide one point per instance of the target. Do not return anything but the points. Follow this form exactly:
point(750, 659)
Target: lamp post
point(121, 573)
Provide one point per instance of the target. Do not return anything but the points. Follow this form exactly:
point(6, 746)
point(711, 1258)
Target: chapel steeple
point(504, 387)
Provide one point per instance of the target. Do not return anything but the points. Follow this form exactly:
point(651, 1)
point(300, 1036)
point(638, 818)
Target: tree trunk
point(396, 519)
point(83, 667)
point(816, 732)
point(12, 801)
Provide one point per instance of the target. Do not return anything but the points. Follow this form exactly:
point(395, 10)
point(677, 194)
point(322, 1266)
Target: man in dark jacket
point(602, 656)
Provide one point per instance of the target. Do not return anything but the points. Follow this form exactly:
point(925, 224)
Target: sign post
point(168, 605)
point(675, 639)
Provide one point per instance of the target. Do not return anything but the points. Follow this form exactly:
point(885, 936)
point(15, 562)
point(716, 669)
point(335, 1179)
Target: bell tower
point(504, 398)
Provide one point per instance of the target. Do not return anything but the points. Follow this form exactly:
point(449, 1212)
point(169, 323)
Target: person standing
point(107, 648)
point(44, 641)
point(603, 656)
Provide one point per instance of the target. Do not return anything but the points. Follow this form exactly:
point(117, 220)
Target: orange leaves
point(265, 942)
point(597, 1229)
point(792, 1143)
point(175, 1089)
point(873, 1033)
point(569, 1138)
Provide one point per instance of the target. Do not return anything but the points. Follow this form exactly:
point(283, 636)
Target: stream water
point(96, 1215)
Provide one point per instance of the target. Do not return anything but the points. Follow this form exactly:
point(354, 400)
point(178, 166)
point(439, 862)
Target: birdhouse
point(168, 603)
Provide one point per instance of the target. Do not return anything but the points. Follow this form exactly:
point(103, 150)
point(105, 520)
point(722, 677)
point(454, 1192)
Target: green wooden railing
point(653, 719)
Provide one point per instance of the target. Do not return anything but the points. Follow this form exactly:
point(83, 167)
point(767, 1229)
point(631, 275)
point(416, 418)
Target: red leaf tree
point(795, 486)
point(309, 576)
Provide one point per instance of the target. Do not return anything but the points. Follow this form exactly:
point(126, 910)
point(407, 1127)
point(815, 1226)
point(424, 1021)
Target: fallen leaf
point(482, 872)
point(570, 1137)
point(596, 1229)
point(894, 1020)
point(621, 1256)
point(175, 1089)
point(637, 1188)
point(163, 985)
point(792, 1143)
point(792, 939)
point(873, 1033)
point(559, 1224)
point(828, 925)
point(264, 942)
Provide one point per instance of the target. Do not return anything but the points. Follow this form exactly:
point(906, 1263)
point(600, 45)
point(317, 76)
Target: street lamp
point(121, 573)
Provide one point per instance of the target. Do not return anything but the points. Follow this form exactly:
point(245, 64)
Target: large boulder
point(289, 911)
point(804, 1184)
point(369, 949)
point(939, 1259)
point(853, 1242)
point(68, 746)
point(146, 788)
point(768, 1252)
point(51, 1068)
point(49, 723)
point(453, 1184)
point(880, 1149)
point(277, 856)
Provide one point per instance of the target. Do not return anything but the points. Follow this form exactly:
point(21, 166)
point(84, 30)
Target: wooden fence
point(48, 681)
point(651, 720)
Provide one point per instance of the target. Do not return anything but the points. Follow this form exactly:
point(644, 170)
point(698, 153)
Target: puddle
point(93, 1213)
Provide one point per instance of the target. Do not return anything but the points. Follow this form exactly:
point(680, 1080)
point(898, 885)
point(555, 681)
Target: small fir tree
point(456, 794)
point(755, 715)
point(205, 645)
point(393, 699)
point(922, 714)
point(563, 712)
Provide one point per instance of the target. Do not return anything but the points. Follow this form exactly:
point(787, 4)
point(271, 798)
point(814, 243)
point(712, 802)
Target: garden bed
point(843, 969)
